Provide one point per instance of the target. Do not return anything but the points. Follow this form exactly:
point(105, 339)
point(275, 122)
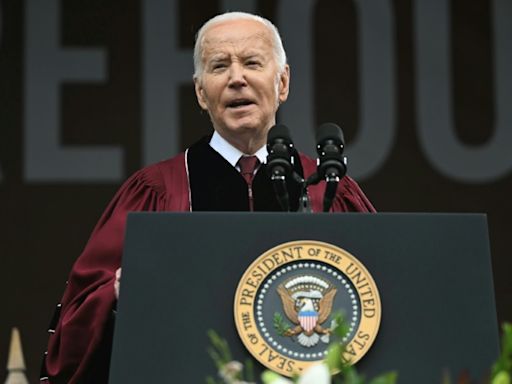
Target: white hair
point(279, 53)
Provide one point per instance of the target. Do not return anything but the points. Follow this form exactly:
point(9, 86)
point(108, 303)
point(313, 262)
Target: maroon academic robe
point(79, 346)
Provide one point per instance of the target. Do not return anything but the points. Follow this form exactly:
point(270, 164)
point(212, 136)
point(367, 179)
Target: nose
point(237, 76)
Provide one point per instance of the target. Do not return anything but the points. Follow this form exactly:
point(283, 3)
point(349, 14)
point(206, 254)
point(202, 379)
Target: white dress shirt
point(232, 154)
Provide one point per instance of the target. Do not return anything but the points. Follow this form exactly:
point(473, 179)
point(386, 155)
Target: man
point(241, 77)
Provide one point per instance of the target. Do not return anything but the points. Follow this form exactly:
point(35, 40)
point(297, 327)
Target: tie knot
point(248, 165)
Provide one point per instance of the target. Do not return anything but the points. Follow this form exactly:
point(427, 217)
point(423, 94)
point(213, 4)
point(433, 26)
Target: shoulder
point(157, 176)
point(349, 196)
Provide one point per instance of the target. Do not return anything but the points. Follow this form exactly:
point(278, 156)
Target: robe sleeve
point(86, 308)
point(350, 198)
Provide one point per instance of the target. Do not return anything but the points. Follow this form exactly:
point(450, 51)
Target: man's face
point(240, 86)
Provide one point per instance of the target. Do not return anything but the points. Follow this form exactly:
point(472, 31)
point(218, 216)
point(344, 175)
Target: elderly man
point(241, 77)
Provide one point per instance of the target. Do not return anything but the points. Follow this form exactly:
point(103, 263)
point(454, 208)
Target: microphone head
point(330, 147)
point(280, 151)
point(279, 131)
point(330, 131)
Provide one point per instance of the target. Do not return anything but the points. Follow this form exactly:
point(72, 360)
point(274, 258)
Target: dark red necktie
point(248, 165)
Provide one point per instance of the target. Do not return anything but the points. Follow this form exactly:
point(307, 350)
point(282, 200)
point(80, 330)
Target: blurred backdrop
point(90, 91)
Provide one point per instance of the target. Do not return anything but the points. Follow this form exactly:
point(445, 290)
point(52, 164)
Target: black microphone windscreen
point(329, 131)
point(279, 131)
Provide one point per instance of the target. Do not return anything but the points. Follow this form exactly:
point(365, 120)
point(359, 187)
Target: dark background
point(45, 224)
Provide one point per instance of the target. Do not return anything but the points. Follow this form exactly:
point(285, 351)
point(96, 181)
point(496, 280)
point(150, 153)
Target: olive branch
point(280, 325)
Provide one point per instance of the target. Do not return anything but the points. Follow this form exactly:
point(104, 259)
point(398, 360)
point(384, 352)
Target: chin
point(244, 127)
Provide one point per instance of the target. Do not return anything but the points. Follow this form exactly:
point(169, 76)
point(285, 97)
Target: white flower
point(317, 374)
point(229, 372)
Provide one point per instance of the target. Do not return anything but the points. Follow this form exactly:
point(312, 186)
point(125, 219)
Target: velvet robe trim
point(227, 189)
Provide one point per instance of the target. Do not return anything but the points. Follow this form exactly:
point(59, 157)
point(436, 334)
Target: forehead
point(238, 36)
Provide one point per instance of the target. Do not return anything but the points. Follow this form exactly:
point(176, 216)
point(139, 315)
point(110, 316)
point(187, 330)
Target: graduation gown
point(198, 180)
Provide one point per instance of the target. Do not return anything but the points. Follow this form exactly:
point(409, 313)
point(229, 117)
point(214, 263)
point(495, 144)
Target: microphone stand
point(279, 182)
point(304, 204)
point(332, 181)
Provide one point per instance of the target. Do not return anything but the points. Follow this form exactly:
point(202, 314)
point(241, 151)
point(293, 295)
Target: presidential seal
point(286, 299)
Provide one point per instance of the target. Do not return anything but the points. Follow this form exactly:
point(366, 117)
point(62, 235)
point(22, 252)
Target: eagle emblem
point(307, 302)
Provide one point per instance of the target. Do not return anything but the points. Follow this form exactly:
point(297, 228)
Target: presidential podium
point(181, 271)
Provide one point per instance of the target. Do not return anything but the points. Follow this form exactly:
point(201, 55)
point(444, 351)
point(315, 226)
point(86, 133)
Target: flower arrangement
point(334, 369)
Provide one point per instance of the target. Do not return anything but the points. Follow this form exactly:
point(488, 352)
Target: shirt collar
point(232, 154)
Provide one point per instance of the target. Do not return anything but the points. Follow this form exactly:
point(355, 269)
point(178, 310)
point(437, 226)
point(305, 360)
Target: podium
point(181, 271)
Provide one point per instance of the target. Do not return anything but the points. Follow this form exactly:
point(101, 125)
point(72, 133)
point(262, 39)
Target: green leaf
point(504, 362)
point(352, 377)
point(216, 358)
point(341, 327)
point(249, 370)
point(337, 363)
point(280, 325)
point(386, 378)
point(333, 360)
point(220, 352)
point(501, 378)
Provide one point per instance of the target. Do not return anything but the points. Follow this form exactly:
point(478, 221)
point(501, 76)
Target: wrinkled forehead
point(238, 36)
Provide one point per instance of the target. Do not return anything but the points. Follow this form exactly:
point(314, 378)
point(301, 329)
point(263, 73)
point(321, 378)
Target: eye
point(218, 66)
point(253, 63)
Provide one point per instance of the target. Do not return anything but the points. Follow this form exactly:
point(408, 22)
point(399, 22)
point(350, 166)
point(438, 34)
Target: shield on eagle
point(308, 320)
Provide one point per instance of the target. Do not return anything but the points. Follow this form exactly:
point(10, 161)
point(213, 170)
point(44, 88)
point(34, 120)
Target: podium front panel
point(181, 270)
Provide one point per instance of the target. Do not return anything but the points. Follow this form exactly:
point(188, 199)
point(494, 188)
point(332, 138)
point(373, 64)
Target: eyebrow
point(218, 57)
point(246, 54)
point(251, 55)
point(221, 57)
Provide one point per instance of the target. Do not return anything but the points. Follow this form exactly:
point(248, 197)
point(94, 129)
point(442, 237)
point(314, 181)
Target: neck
point(248, 145)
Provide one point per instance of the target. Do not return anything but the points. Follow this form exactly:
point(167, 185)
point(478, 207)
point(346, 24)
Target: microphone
point(279, 162)
point(331, 164)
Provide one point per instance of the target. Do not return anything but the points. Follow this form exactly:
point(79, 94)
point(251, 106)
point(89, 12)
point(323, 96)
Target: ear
point(201, 99)
point(284, 84)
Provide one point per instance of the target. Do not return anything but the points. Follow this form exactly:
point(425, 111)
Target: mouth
point(239, 103)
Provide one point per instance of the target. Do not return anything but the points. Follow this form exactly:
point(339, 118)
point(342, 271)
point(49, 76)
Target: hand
point(117, 283)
